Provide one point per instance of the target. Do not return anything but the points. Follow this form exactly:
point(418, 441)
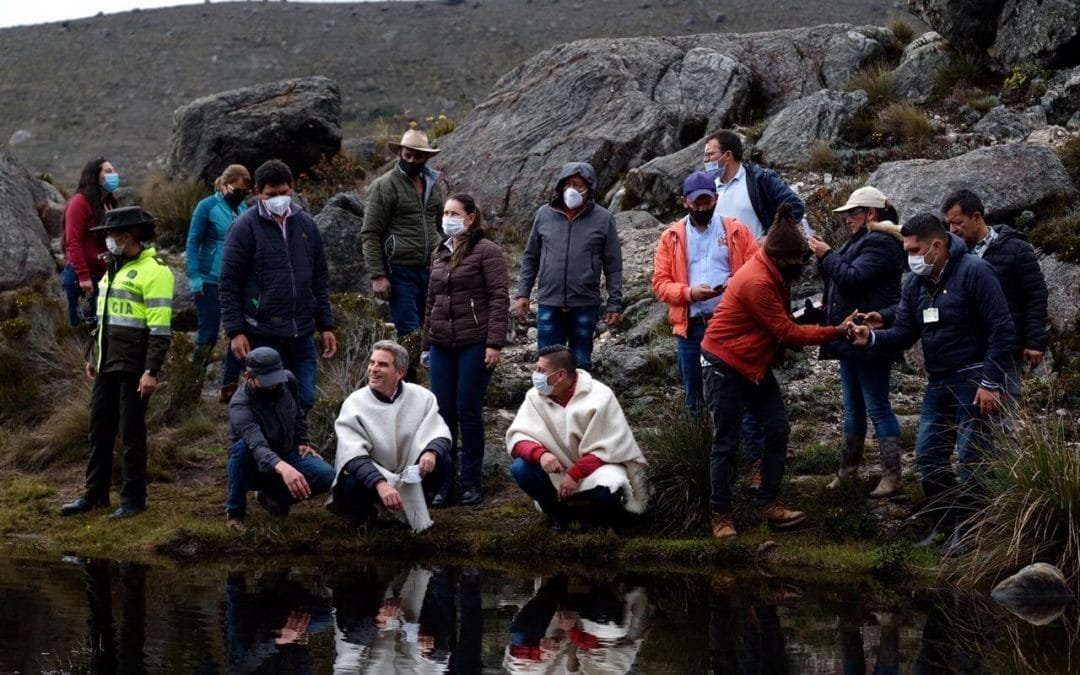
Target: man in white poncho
point(392, 445)
point(573, 450)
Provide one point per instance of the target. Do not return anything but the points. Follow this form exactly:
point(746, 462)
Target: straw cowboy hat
point(413, 139)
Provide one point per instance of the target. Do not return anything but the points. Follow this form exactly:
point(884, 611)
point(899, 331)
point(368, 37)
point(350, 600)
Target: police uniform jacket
point(134, 314)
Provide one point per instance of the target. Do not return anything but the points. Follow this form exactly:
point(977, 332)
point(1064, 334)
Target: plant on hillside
point(1060, 236)
point(819, 212)
point(172, 202)
point(904, 123)
point(1030, 496)
point(876, 79)
point(966, 70)
point(822, 157)
point(678, 452)
point(1024, 82)
point(903, 31)
point(331, 176)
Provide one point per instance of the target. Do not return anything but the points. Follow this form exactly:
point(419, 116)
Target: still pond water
point(100, 616)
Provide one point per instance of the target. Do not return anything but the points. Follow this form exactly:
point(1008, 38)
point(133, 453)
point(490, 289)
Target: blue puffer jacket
point(271, 288)
point(862, 274)
point(973, 327)
point(206, 239)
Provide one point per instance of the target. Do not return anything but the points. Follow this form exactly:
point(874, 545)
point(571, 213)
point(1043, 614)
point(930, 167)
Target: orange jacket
point(671, 272)
point(752, 321)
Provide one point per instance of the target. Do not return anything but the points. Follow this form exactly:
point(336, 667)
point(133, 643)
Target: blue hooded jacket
point(206, 239)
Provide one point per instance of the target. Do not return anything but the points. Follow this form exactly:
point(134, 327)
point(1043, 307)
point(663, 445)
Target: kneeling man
point(392, 444)
point(270, 451)
point(574, 452)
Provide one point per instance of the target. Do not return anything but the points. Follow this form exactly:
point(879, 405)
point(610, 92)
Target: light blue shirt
point(708, 260)
point(733, 199)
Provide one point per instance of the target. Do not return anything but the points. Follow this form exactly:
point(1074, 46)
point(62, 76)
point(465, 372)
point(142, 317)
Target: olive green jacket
point(400, 228)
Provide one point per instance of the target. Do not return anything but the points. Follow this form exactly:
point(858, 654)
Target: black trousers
point(115, 401)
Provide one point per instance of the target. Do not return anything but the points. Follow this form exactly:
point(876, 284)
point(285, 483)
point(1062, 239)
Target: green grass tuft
point(876, 79)
point(904, 123)
point(172, 202)
point(678, 451)
point(903, 31)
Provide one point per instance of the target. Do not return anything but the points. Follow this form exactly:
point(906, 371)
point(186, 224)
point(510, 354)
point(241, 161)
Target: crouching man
point(271, 452)
point(392, 445)
point(573, 450)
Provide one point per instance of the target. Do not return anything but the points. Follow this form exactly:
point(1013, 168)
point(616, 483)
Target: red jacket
point(671, 272)
point(82, 247)
point(752, 321)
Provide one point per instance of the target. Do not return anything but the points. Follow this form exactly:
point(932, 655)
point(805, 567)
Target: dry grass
point(903, 31)
point(822, 157)
point(331, 176)
point(905, 123)
point(876, 80)
point(172, 203)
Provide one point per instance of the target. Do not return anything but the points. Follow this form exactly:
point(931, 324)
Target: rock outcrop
point(1002, 124)
point(914, 78)
point(24, 243)
point(339, 223)
point(49, 203)
point(618, 103)
point(1038, 593)
point(1009, 178)
point(822, 116)
point(656, 185)
point(297, 121)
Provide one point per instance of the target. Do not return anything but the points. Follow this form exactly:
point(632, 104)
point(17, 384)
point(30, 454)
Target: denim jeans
point(728, 393)
point(73, 292)
point(949, 419)
point(534, 481)
point(689, 356)
point(244, 475)
point(298, 355)
point(865, 385)
point(208, 313)
point(459, 380)
point(408, 295)
point(570, 326)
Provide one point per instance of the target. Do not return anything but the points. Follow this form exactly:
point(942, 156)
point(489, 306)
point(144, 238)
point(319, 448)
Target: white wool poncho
point(393, 435)
point(591, 423)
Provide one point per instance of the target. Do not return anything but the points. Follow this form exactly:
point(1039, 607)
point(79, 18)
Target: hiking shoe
point(82, 505)
point(723, 525)
point(889, 486)
point(755, 475)
point(472, 497)
point(779, 516)
point(235, 523)
point(271, 505)
point(443, 498)
point(126, 511)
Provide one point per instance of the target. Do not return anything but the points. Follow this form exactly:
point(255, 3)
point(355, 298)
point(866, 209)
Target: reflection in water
point(97, 616)
point(572, 626)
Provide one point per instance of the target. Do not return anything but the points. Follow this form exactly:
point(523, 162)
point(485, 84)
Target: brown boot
point(891, 482)
point(850, 458)
point(755, 475)
point(723, 525)
point(779, 516)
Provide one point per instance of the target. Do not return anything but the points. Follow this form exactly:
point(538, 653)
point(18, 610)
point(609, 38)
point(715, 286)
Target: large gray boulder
point(617, 103)
point(968, 25)
point(24, 243)
point(914, 78)
point(49, 203)
point(1009, 178)
point(1062, 98)
point(822, 116)
point(1041, 31)
point(1002, 124)
point(339, 224)
point(656, 185)
point(297, 121)
point(1063, 292)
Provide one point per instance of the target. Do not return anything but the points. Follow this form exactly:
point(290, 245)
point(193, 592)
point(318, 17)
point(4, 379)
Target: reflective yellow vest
point(135, 315)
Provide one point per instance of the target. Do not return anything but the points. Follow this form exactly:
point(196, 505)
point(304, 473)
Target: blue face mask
point(111, 182)
point(713, 169)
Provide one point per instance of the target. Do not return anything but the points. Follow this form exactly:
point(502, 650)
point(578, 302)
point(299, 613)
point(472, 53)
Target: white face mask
point(919, 265)
point(114, 247)
point(278, 205)
point(453, 226)
point(572, 198)
point(540, 381)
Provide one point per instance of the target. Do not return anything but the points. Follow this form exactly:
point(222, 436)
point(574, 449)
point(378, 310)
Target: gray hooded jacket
point(566, 254)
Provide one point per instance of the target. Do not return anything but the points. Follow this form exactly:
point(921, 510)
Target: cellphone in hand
point(719, 288)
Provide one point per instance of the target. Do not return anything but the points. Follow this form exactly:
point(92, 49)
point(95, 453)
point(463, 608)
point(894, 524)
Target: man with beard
point(742, 340)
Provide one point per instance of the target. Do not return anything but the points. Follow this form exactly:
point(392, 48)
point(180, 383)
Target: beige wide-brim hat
point(864, 198)
point(413, 139)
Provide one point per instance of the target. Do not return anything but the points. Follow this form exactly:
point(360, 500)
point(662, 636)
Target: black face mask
point(791, 273)
point(411, 169)
point(702, 218)
point(236, 198)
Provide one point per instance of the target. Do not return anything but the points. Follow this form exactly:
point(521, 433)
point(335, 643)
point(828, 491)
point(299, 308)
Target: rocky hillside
point(109, 85)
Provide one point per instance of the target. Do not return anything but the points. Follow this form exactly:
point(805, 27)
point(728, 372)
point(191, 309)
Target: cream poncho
point(592, 422)
point(393, 435)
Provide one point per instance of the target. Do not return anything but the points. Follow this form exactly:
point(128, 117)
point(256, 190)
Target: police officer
point(134, 313)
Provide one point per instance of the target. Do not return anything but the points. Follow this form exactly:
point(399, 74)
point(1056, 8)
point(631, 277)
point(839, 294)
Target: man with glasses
point(746, 191)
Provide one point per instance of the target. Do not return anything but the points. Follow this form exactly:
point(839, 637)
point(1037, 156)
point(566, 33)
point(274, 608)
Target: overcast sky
point(24, 12)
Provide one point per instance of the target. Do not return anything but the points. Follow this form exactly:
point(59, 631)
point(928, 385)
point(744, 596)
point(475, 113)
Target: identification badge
point(930, 315)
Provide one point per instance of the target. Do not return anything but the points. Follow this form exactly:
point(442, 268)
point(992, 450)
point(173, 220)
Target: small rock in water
point(1038, 593)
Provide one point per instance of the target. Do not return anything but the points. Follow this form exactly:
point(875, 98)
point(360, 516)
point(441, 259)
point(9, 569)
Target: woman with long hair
point(85, 250)
point(205, 245)
point(465, 324)
point(864, 274)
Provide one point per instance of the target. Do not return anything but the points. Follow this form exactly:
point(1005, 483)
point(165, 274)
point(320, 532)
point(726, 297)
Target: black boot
point(83, 504)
